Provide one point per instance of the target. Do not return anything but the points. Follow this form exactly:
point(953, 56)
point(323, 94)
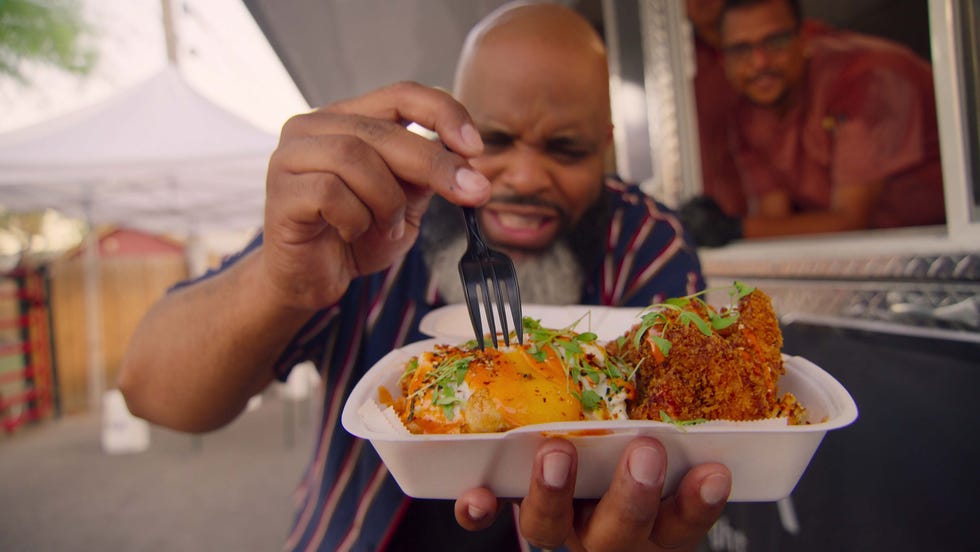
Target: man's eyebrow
point(492, 130)
point(495, 131)
point(770, 36)
point(573, 141)
point(569, 140)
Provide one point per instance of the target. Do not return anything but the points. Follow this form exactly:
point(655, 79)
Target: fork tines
point(489, 275)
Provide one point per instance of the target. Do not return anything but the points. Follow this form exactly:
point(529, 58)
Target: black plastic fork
point(479, 265)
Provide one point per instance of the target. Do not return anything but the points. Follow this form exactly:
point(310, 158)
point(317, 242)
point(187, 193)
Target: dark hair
point(793, 5)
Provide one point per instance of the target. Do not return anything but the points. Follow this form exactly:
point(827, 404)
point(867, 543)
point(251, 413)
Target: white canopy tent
point(158, 157)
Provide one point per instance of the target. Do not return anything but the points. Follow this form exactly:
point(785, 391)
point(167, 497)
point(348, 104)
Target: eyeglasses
point(775, 43)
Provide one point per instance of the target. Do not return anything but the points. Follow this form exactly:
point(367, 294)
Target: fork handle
point(473, 235)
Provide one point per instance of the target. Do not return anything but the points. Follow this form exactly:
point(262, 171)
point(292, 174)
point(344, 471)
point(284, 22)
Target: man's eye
point(496, 141)
point(779, 41)
point(740, 50)
point(568, 154)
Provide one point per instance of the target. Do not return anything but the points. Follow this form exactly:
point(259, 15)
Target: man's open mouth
point(520, 226)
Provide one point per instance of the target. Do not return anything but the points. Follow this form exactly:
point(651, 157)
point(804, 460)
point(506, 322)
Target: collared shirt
point(346, 498)
point(715, 100)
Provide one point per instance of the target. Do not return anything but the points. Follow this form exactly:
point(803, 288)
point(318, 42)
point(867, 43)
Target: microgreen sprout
point(580, 373)
point(410, 368)
point(444, 379)
point(656, 316)
point(680, 424)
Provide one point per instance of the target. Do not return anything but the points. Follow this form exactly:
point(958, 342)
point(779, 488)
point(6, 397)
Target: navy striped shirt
point(346, 498)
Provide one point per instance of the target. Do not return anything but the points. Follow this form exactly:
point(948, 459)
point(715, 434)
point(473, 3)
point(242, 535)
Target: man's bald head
point(537, 38)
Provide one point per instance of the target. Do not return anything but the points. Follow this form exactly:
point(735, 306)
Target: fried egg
point(465, 390)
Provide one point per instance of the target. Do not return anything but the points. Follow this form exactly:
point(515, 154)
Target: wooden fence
point(129, 285)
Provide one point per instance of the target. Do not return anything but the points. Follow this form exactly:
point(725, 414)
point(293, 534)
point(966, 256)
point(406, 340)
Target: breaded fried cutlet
point(724, 366)
point(757, 332)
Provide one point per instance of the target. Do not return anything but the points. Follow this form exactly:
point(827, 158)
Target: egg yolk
point(503, 390)
point(526, 391)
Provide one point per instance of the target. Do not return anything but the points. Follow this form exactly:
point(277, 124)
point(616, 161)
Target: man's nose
point(761, 57)
point(525, 171)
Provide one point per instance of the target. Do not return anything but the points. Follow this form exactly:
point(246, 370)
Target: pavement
point(230, 489)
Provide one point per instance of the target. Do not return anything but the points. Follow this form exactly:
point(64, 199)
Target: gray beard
point(550, 277)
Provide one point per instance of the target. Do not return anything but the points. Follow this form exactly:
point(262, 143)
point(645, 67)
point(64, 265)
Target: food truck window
point(667, 159)
point(969, 47)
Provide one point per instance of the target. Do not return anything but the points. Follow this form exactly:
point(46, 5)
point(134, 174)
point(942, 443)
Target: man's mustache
point(533, 201)
point(766, 73)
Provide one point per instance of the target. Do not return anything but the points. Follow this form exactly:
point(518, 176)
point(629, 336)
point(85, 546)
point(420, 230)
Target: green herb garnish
point(656, 315)
point(580, 373)
point(444, 379)
point(680, 424)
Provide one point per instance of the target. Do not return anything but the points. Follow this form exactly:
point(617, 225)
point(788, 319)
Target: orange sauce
point(384, 396)
point(522, 389)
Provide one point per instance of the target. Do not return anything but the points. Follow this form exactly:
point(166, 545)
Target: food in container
point(767, 457)
point(696, 362)
point(558, 375)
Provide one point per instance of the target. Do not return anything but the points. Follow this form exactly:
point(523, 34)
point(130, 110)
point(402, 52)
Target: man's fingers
point(378, 120)
point(344, 140)
point(625, 515)
point(631, 515)
point(430, 107)
point(349, 196)
point(476, 509)
point(700, 499)
point(547, 513)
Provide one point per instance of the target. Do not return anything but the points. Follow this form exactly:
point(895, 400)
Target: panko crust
point(728, 375)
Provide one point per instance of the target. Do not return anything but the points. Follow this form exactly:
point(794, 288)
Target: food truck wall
point(894, 315)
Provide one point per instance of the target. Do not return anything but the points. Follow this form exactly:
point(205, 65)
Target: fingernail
point(715, 488)
point(646, 466)
point(471, 181)
point(398, 230)
point(476, 514)
point(555, 467)
point(471, 137)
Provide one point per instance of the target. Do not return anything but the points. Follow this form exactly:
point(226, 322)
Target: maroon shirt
point(715, 100)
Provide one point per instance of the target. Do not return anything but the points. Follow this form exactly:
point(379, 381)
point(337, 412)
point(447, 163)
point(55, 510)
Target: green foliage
point(50, 32)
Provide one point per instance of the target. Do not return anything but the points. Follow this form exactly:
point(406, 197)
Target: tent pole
point(93, 315)
point(195, 254)
point(169, 32)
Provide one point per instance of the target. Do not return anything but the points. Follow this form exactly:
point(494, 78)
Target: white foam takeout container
point(767, 458)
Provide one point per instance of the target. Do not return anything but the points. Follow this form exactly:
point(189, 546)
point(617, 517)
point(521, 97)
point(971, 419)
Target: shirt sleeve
point(756, 174)
point(878, 122)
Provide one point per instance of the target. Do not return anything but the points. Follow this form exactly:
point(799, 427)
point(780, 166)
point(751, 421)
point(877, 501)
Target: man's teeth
point(519, 222)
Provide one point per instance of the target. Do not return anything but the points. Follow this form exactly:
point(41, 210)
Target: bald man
point(361, 219)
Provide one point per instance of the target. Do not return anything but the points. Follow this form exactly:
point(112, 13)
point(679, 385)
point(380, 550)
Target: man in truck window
point(831, 132)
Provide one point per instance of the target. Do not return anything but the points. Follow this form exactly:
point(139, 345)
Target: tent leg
point(195, 255)
point(93, 320)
